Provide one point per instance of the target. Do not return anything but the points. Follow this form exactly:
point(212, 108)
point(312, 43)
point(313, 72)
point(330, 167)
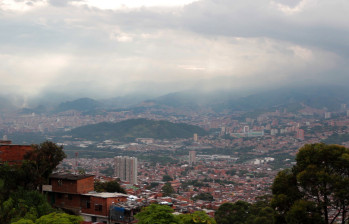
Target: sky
point(108, 48)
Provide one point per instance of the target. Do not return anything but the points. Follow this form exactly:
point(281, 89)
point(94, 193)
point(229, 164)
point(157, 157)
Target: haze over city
point(113, 48)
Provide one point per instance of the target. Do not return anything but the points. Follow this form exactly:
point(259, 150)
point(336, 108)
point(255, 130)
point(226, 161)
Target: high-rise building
point(126, 168)
point(246, 129)
point(327, 115)
point(195, 137)
point(192, 157)
point(300, 134)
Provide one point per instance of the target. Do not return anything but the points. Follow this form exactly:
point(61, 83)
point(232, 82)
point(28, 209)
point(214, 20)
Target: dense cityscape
point(237, 161)
point(174, 112)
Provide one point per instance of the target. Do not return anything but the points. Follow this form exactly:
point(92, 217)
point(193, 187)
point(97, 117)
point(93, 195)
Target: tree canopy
point(198, 217)
point(318, 184)
point(53, 218)
point(167, 190)
point(110, 186)
point(157, 214)
point(20, 202)
point(41, 162)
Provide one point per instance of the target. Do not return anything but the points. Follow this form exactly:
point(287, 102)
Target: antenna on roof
point(76, 163)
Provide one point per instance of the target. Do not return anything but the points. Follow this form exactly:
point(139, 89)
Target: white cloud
point(22, 5)
point(290, 10)
point(127, 4)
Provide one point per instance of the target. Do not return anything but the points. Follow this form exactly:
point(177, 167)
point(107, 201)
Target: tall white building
point(192, 157)
point(126, 168)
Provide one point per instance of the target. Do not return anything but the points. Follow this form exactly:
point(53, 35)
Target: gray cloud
point(207, 44)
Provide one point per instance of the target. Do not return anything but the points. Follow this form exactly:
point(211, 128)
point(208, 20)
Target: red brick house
point(13, 154)
point(75, 194)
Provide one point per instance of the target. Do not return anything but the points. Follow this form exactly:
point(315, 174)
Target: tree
point(317, 184)
point(264, 216)
point(304, 212)
point(110, 186)
point(204, 197)
point(198, 217)
point(285, 193)
point(53, 218)
point(167, 190)
point(24, 221)
point(166, 178)
point(322, 173)
point(236, 213)
point(24, 204)
point(260, 212)
point(41, 162)
point(152, 185)
point(157, 214)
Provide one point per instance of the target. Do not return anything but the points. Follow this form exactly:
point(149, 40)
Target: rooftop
point(70, 176)
point(105, 194)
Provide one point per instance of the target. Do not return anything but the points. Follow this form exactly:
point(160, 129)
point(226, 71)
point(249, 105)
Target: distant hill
point(37, 110)
point(82, 104)
point(137, 128)
point(330, 97)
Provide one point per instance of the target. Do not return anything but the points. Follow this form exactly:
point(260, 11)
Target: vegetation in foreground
point(20, 202)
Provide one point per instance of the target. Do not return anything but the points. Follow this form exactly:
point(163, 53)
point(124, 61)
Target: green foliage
point(24, 204)
point(285, 193)
point(19, 200)
point(137, 128)
point(158, 159)
point(108, 171)
point(42, 161)
point(322, 172)
point(59, 218)
point(231, 172)
point(244, 213)
point(167, 177)
point(110, 186)
point(237, 213)
point(304, 212)
point(204, 197)
point(167, 190)
point(24, 221)
point(152, 185)
point(198, 217)
point(337, 138)
point(157, 214)
point(318, 183)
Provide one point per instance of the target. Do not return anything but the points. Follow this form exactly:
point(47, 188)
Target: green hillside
point(137, 128)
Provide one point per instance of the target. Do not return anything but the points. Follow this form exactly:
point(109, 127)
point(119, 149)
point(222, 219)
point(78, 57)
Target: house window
point(98, 207)
point(60, 182)
point(85, 203)
point(70, 197)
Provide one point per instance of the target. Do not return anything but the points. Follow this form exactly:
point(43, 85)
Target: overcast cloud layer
point(102, 48)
